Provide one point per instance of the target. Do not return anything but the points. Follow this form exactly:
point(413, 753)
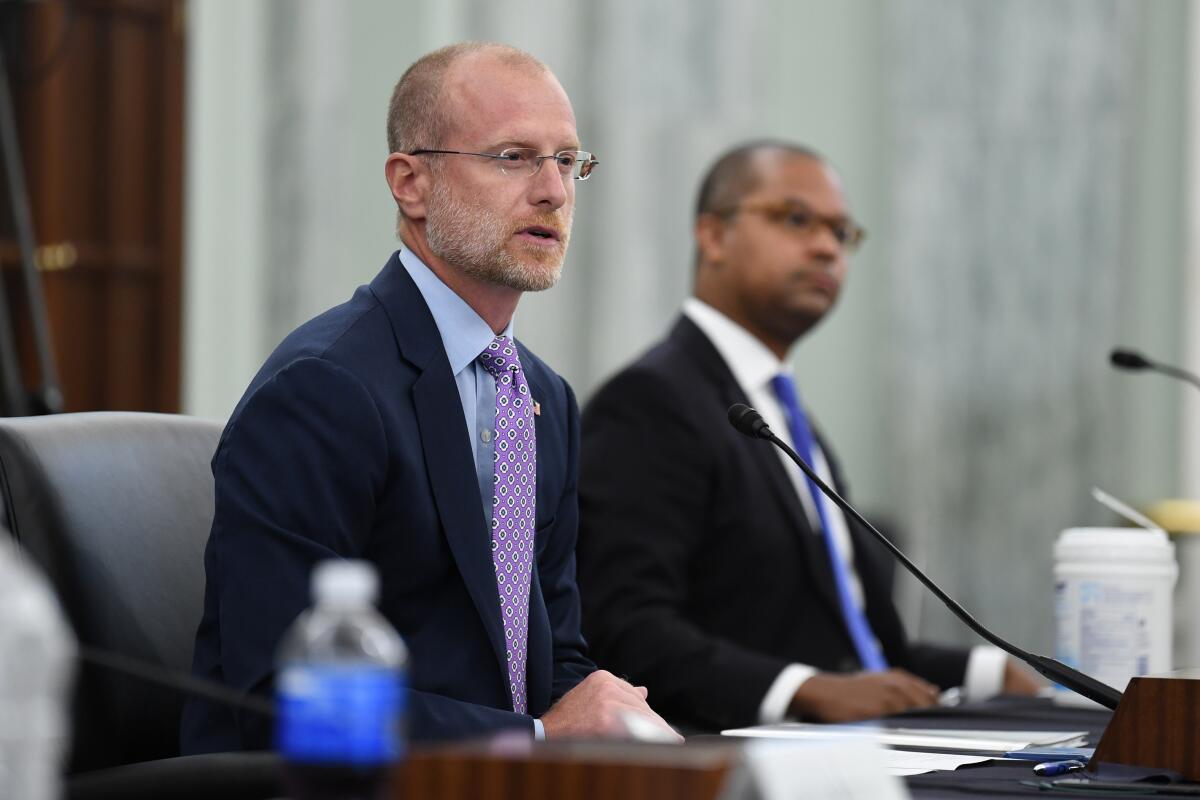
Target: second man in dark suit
point(710, 569)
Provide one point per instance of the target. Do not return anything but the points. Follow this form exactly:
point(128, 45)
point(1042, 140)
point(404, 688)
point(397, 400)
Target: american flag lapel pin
point(537, 408)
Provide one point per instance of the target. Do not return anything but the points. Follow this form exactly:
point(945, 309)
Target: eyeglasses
point(804, 222)
point(526, 161)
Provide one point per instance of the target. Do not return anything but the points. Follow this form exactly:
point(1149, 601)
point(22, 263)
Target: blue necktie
point(856, 621)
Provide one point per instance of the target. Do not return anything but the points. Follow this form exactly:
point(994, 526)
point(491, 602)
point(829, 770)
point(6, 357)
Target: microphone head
point(748, 421)
point(1128, 359)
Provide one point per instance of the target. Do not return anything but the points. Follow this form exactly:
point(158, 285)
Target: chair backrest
point(115, 507)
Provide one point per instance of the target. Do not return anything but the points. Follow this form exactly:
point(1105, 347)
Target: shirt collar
point(464, 333)
point(752, 363)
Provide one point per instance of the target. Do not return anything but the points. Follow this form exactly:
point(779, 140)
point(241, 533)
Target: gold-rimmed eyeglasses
point(579, 164)
point(803, 221)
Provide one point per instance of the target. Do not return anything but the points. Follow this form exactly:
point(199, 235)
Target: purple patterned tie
point(514, 498)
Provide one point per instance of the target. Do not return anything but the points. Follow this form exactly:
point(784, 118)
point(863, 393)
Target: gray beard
point(473, 239)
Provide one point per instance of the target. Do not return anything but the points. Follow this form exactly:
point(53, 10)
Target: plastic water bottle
point(341, 690)
point(37, 664)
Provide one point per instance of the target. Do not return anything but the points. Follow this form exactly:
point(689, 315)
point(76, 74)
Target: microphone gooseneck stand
point(749, 422)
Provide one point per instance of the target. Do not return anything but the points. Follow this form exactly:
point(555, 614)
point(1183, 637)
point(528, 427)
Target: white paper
point(902, 763)
point(850, 768)
point(936, 739)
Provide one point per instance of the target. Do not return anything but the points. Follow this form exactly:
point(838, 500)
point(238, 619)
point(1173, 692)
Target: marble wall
point(1019, 164)
point(1015, 131)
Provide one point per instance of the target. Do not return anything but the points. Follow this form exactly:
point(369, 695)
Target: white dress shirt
point(753, 366)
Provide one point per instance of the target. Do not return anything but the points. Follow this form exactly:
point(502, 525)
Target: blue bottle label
point(344, 714)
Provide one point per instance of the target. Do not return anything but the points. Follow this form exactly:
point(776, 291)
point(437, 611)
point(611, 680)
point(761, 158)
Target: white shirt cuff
point(539, 730)
point(985, 672)
point(775, 704)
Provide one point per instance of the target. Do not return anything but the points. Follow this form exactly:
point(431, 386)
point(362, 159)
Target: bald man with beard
point(408, 427)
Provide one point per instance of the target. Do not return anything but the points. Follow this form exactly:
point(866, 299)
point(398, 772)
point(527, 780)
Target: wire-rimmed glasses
point(801, 219)
point(579, 164)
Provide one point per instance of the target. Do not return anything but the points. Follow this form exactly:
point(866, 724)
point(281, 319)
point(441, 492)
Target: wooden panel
point(59, 118)
point(95, 257)
point(1156, 725)
point(132, 149)
point(129, 331)
point(573, 771)
point(82, 373)
point(102, 138)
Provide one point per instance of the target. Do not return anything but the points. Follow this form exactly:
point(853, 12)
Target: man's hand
point(595, 707)
point(1019, 680)
point(830, 697)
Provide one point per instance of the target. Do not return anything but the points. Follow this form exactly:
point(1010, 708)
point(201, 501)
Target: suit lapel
point(448, 459)
point(766, 460)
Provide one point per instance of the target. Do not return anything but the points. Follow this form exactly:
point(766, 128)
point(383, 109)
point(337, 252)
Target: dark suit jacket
point(351, 442)
point(700, 574)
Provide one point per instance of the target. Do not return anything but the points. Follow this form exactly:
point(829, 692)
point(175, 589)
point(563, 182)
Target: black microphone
point(750, 422)
point(1133, 360)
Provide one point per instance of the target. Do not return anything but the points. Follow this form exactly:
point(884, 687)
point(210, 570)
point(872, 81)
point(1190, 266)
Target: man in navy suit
point(408, 428)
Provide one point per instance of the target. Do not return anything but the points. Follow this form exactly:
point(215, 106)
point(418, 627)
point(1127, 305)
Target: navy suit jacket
point(351, 443)
point(702, 578)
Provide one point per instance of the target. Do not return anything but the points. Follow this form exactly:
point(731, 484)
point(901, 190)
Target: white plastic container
point(1113, 590)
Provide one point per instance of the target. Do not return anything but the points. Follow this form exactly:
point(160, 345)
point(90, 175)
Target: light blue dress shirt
point(464, 336)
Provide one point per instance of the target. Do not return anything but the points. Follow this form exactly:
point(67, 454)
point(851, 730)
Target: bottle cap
point(344, 583)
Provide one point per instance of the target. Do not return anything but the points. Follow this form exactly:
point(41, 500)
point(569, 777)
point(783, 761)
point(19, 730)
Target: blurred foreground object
point(341, 690)
point(37, 652)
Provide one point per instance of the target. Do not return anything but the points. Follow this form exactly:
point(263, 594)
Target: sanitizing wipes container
point(1113, 590)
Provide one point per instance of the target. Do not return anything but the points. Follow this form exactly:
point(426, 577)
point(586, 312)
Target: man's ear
point(710, 238)
point(408, 179)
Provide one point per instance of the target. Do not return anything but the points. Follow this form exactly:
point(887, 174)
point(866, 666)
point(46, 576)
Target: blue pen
point(1052, 768)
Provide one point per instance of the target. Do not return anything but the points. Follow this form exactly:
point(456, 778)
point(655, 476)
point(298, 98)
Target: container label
point(348, 714)
point(1104, 628)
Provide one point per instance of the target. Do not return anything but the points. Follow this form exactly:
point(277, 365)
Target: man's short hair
point(417, 114)
point(734, 175)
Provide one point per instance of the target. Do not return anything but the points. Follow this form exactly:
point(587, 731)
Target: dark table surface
point(990, 778)
point(1003, 778)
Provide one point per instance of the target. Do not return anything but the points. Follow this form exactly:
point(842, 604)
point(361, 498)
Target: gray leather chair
point(115, 507)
